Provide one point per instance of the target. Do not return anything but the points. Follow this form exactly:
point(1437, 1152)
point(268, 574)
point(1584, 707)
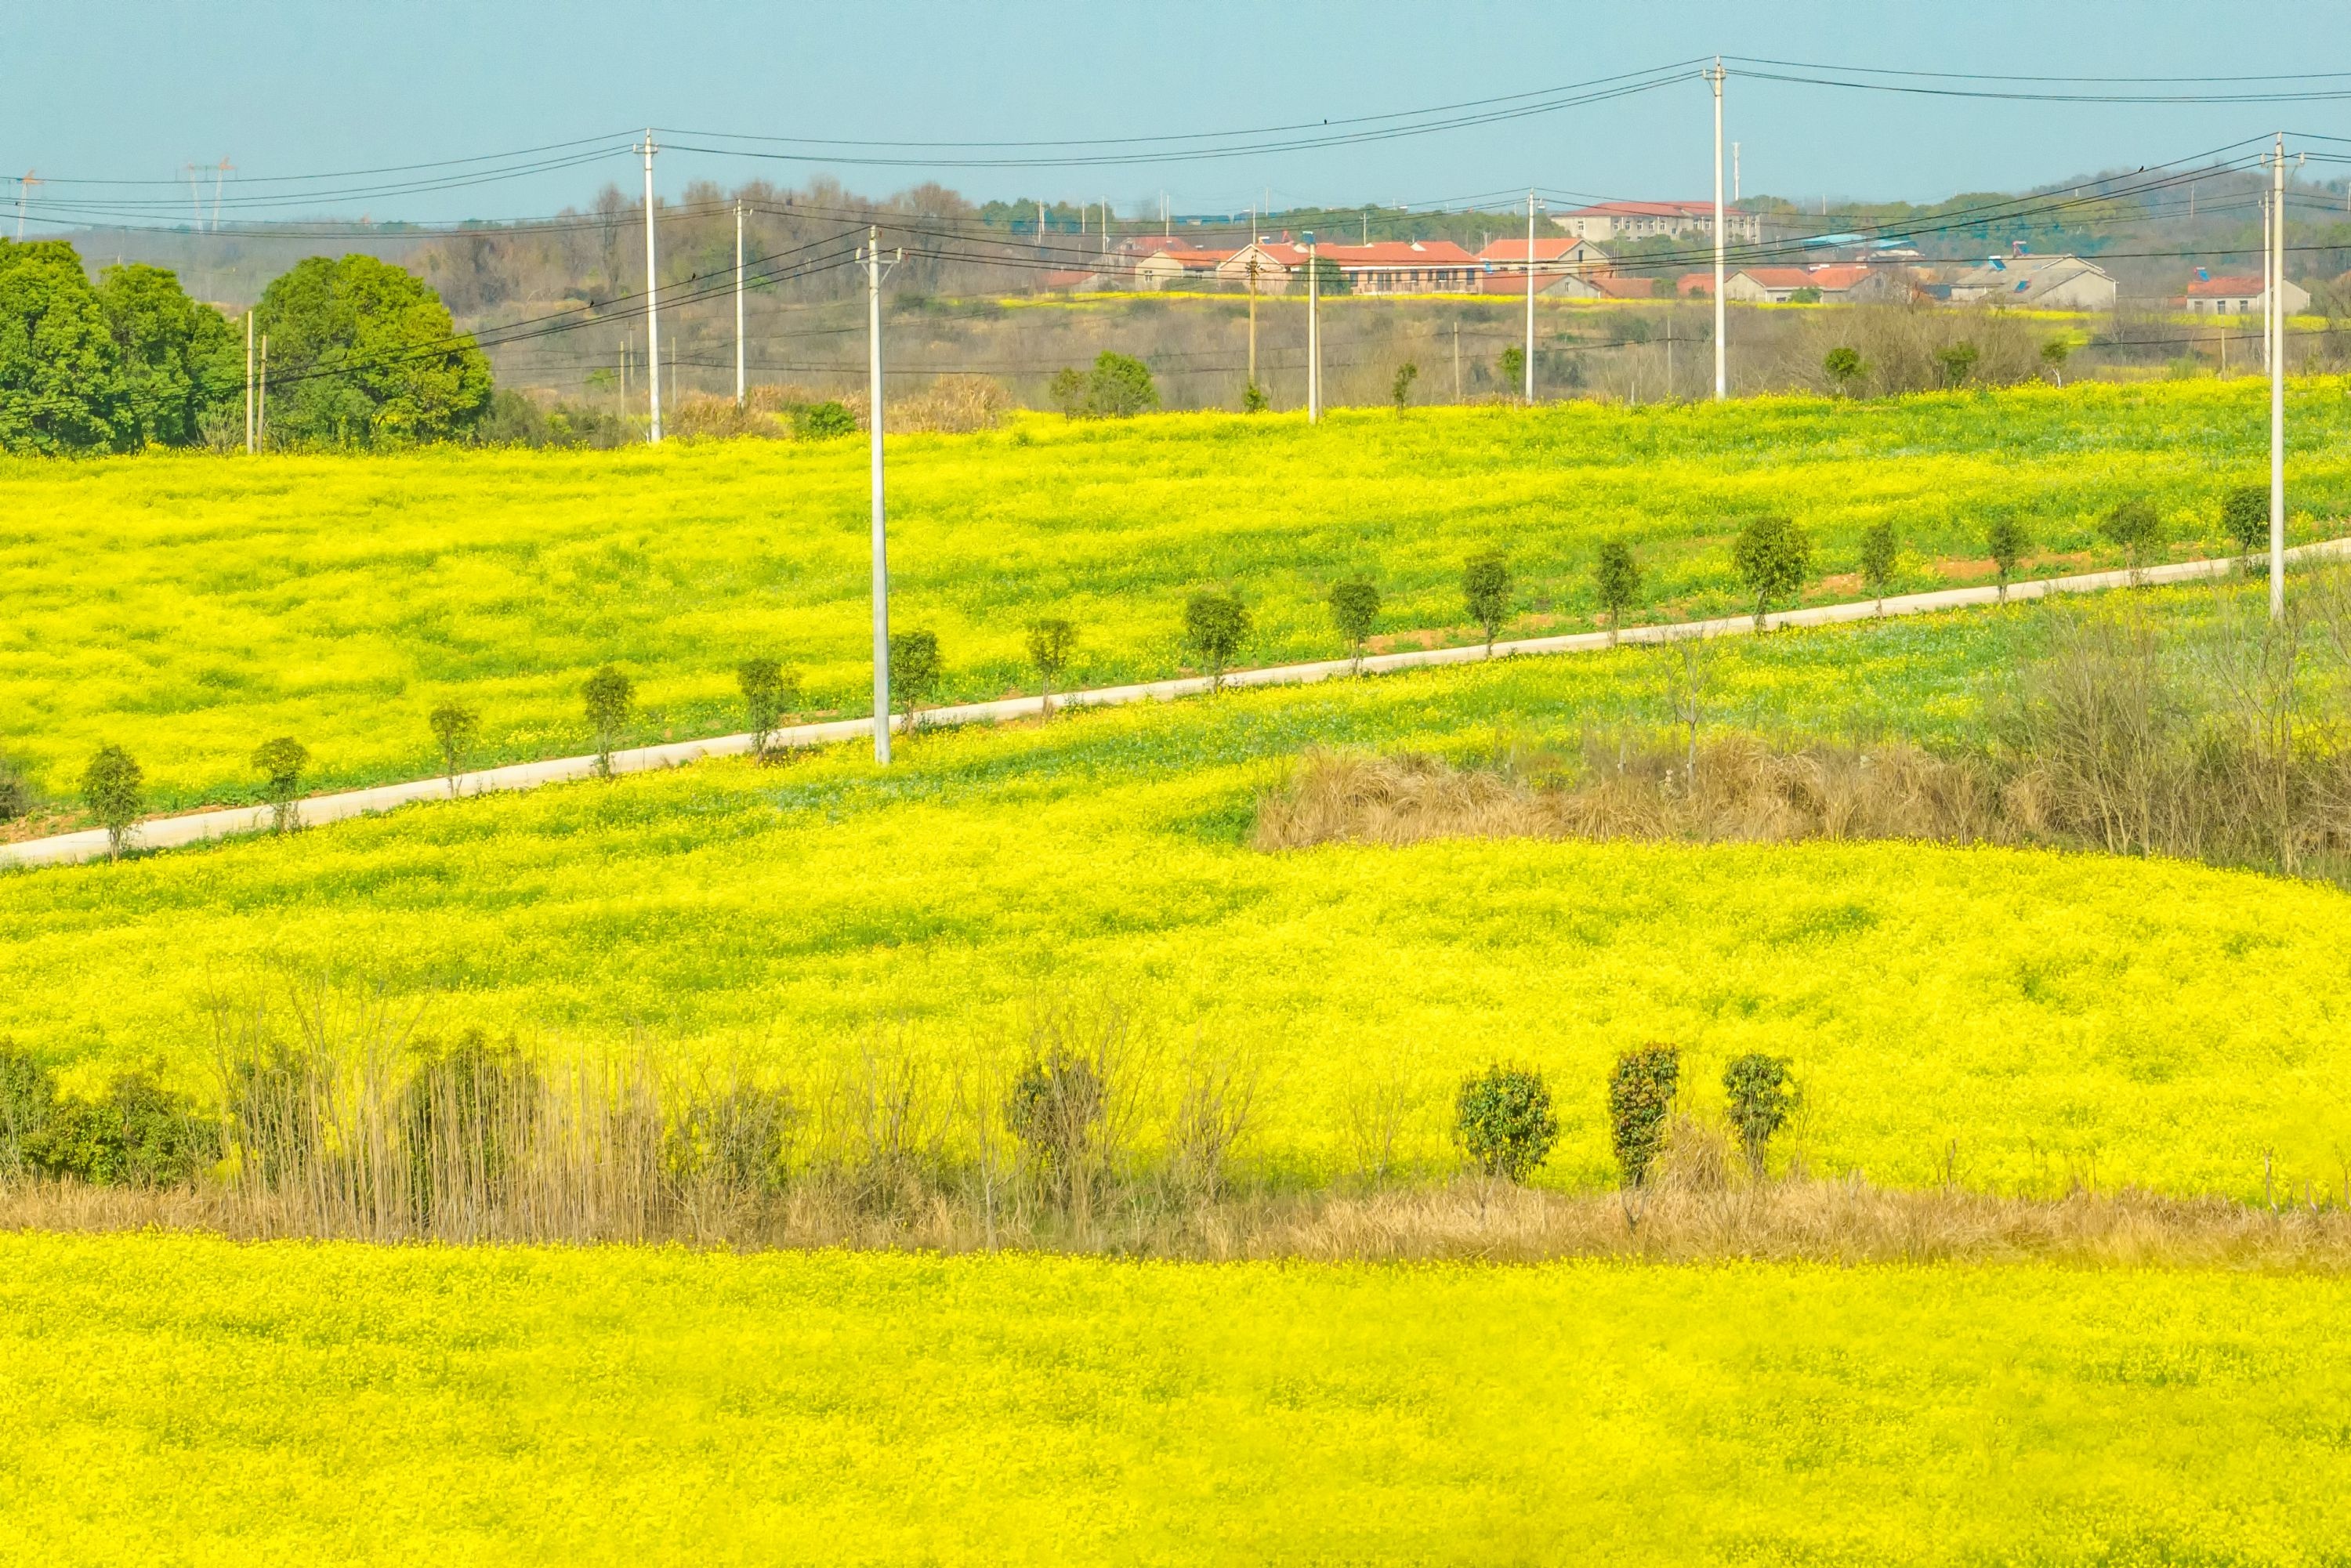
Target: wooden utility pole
point(249, 383)
point(1456, 361)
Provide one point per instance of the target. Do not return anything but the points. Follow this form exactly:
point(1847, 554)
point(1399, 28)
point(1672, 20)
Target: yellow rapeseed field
point(174, 1399)
point(191, 607)
point(2019, 1020)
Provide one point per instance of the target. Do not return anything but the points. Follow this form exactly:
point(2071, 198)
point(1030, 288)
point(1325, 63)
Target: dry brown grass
point(1843, 1221)
point(1741, 789)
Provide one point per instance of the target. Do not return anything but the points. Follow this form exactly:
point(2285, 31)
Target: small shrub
point(1400, 392)
point(1056, 1109)
point(2138, 528)
point(2245, 516)
point(280, 763)
point(1844, 368)
point(1485, 590)
point(1118, 387)
point(115, 790)
point(1214, 626)
point(607, 696)
point(29, 1091)
point(1052, 641)
point(738, 1139)
point(915, 673)
point(139, 1135)
point(1503, 1122)
point(1772, 556)
point(1617, 580)
point(454, 728)
point(2007, 541)
point(1879, 552)
point(1761, 1094)
point(1512, 365)
point(1355, 611)
point(1640, 1099)
point(1957, 361)
point(1253, 398)
point(826, 421)
point(2053, 355)
point(16, 798)
point(768, 690)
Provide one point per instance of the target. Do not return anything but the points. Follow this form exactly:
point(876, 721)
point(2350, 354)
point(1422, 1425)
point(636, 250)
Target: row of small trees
point(1502, 1118)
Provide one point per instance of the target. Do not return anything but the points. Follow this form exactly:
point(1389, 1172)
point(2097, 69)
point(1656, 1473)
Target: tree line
point(360, 354)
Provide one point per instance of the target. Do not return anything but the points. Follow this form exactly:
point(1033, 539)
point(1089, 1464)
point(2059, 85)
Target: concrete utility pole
point(1721, 362)
point(738, 304)
point(1530, 366)
point(2277, 383)
point(1252, 293)
point(261, 408)
point(873, 259)
point(1313, 333)
point(1456, 361)
point(653, 315)
point(2269, 288)
point(1734, 172)
point(249, 383)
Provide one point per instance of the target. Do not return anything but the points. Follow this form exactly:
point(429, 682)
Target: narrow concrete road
point(168, 832)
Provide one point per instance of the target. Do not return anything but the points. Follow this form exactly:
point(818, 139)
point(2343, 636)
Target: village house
point(1181, 264)
point(1557, 262)
point(1620, 221)
point(2036, 282)
point(1383, 267)
point(1829, 283)
point(2239, 296)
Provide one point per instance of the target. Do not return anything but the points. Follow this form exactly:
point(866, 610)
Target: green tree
point(1330, 278)
point(280, 763)
point(2136, 528)
point(2007, 541)
point(115, 790)
point(1844, 368)
point(362, 353)
point(1118, 387)
point(1253, 398)
point(915, 672)
point(1879, 553)
point(1502, 1120)
point(453, 729)
point(768, 692)
point(183, 365)
point(1616, 580)
point(61, 374)
point(825, 421)
point(1214, 626)
point(1485, 590)
point(2053, 355)
point(1772, 556)
point(139, 1135)
point(1641, 1091)
point(1355, 611)
point(1400, 393)
point(2245, 515)
point(1513, 367)
point(606, 694)
point(1051, 641)
point(1758, 1094)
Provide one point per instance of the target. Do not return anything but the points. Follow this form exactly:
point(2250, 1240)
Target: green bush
point(454, 728)
point(1761, 1093)
point(826, 421)
point(1485, 590)
point(139, 1135)
point(1879, 552)
point(915, 672)
point(1056, 1109)
point(29, 1091)
point(606, 696)
point(2245, 515)
point(16, 796)
point(1214, 626)
point(2136, 527)
point(1052, 641)
point(2007, 541)
point(280, 763)
point(1355, 611)
point(1502, 1121)
point(1772, 556)
point(115, 790)
point(1118, 387)
point(1616, 580)
point(1640, 1097)
point(738, 1139)
point(768, 690)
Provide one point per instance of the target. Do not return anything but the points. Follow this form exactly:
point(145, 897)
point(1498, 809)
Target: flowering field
point(191, 607)
point(2017, 1020)
point(179, 1399)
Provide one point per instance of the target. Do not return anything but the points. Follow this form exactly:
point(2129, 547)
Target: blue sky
point(105, 90)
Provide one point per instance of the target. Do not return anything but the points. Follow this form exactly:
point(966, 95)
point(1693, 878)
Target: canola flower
point(188, 607)
point(184, 1399)
point(2024, 1021)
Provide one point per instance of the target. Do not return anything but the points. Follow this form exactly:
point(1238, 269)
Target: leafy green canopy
point(362, 353)
point(60, 380)
point(182, 363)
